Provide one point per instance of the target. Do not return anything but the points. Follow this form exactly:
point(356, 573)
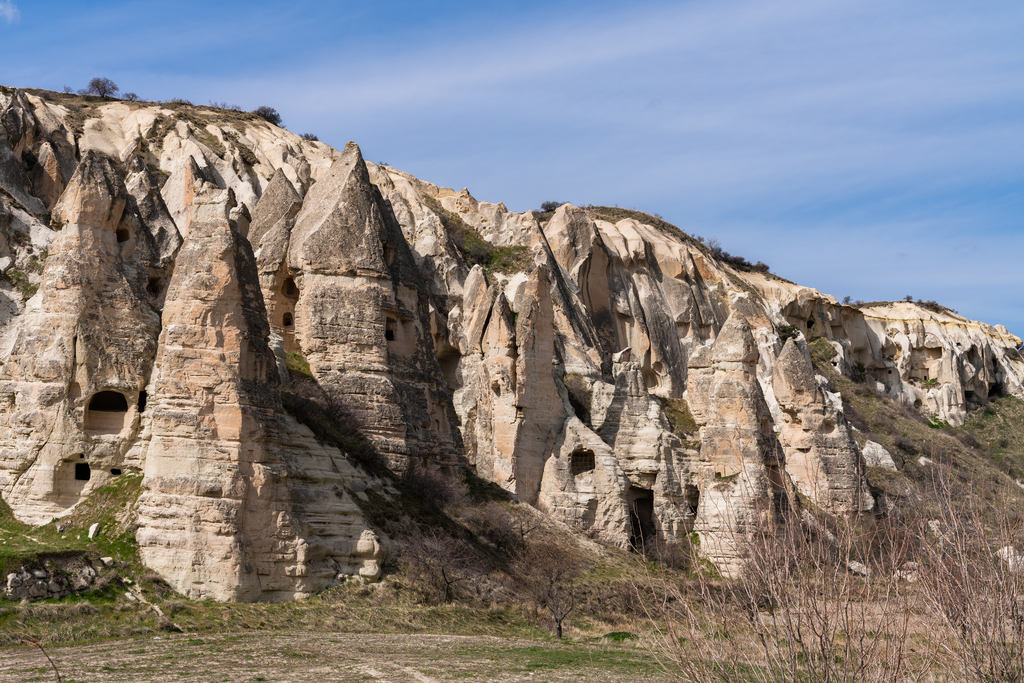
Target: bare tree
point(438, 562)
point(549, 570)
point(100, 87)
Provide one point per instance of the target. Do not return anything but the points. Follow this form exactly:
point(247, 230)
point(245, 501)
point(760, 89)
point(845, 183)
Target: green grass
point(21, 544)
point(298, 366)
point(990, 466)
point(21, 281)
point(678, 413)
point(475, 249)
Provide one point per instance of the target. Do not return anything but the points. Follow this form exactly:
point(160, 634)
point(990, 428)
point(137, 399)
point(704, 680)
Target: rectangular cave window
point(582, 461)
point(389, 330)
point(82, 471)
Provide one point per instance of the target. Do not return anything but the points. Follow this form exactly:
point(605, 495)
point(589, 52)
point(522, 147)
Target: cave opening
point(641, 519)
point(582, 461)
point(105, 412)
point(82, 471)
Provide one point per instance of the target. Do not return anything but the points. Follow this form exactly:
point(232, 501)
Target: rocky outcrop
point(821, 455)
point(743, 483)
point(57, 581)
point(362, 316)
point(240, 502)
point(181, 253)
point(82, 354)
point(919, 353)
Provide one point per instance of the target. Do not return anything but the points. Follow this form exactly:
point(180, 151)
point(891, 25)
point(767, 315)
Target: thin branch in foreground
point(30, 641)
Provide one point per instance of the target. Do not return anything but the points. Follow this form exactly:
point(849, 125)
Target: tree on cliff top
point(101, 87)
point(268, 114)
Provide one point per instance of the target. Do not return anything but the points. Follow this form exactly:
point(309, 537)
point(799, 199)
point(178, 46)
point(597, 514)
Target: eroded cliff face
point(240, 500)
point(181, 253)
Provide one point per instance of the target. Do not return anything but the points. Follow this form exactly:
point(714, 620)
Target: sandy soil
point(295, 658)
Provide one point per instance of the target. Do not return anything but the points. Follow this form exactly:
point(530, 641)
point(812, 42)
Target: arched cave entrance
point(106, 412)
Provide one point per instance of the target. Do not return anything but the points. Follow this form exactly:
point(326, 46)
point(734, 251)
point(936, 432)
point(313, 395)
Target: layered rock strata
point(743, 482)
point(180, 253)
point(82, 353)
point(240, 502)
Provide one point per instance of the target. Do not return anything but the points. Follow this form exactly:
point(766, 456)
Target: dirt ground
point(295, 658)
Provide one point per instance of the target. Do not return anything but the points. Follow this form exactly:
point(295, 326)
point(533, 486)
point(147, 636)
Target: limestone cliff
point(162, 260)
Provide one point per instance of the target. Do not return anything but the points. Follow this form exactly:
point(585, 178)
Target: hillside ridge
point(169, 269)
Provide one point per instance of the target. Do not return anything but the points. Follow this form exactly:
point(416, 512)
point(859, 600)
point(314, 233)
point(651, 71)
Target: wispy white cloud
point(791, 129)
point(9, 11)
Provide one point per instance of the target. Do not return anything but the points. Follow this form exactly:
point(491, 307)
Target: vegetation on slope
point(475, 250)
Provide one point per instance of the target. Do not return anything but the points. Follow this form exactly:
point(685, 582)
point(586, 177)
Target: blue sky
point(867, 148)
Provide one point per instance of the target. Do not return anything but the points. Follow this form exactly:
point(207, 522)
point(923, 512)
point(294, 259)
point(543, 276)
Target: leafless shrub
point(434, 486)
point(968, 439)
point(130, 97)
point(172, 607)
point(499, 526)
point(38, 642)
point(805, 606)
point(437, 562)
point(165, 624)
point(905, 445)
point(548, 571)
point(225, 105)
point(972, 579)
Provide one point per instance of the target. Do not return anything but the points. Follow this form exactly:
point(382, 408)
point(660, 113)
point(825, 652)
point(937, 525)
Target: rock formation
point(822, 457)
point(240, 501)
point(162, 262)
point(743, 482)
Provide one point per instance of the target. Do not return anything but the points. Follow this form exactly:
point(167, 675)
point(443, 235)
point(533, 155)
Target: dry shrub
point(437, 563)
point(493, 522)
point(172, 607)
point(165, 624)
point(801, 608)
point(972, 580)
point(435, 487)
